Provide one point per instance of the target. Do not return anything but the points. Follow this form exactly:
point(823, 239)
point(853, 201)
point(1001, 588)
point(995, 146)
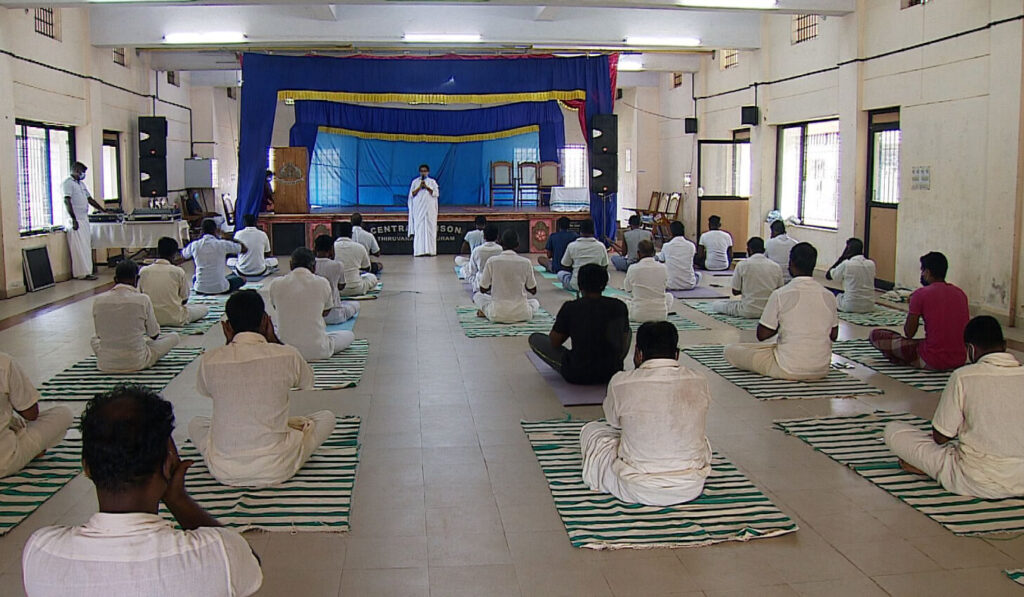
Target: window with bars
point(120, 56)
point(910, 3)
point(807, 173)
point(574, 167)
point(47, 22)
point(172, 78)
point(111, 166)
point(232, 92)
point(805, 27)
point(729, 59)
point(44, 156)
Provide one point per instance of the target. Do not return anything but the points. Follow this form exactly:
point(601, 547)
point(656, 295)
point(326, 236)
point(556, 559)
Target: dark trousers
point(540, 344)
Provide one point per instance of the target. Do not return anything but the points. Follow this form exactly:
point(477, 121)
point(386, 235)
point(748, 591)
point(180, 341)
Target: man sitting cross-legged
point(981, 408)
point(803, 315)
point(250, 440)
point(597, 326)
point(554, 249)
point(480, 255)
point(334, 273)
point(631, 239)
point(858, 276)
point(368, 240)
point(301, 300)
point(210, 253)
point(127, 548)
point(755, 279)
point(653, 449)
point(506, 279)
point(356, 261)
point(128, 335)
point(167, 287)
point(256, 260)
point(777, 247)
point(25, 431)
point(677, 255)
point(584, 250)
point(473, 239)
point(646, 281)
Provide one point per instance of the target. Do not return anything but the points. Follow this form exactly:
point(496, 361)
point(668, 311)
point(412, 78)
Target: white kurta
point(423, 217)
point(79, 241)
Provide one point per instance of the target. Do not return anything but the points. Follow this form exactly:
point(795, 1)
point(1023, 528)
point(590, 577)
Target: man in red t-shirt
point(943, 307)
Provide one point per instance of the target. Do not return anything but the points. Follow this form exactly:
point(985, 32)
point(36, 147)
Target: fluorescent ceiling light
point(755, 4)
point(631, 63)
point(662, 41)
point(442, 38)
point(212, 37)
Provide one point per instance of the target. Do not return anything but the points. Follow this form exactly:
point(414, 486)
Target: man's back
point(804, 313)
point(583, 251)
point(632, 238)
point(123, 318)
point(210, 254)
point(716, 243)
point(253, 261)
point(945, 311)
point(777, 249)
point(858, 277)
point(334, 273)
point(557, 243)
point(508, 275)
point(478, 258)
point(300, 298)
point(597, 328)
point(678, 257)
point(167, 286)
point(353, 258)
point(365, 238)
point(756, 278)
point(474, 238)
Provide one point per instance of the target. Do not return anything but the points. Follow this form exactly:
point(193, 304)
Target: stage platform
point(534, 224)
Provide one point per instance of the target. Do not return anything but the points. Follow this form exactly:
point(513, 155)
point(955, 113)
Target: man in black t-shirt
point(598, 327)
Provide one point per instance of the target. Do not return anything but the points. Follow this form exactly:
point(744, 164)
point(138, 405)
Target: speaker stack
point(153, 156)
point(604, 153)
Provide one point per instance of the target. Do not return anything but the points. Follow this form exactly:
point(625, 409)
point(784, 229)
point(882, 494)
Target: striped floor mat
point(22, 493)
point(83, 380)
point(544, 273)
point(730, 509)
point(369, 296)
point(681, 323)
point(1016, 576)
point(317, 498)
point(857, 442)
point(480, 327)
point(343, 370)
point(198, 328)
point(836, 385)
point(881, 316)
point(742, 323)
point(862, 352)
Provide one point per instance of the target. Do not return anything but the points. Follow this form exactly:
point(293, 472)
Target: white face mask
point(971, 354)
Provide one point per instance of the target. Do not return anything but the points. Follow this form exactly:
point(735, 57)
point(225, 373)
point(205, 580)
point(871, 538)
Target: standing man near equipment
point(423, 194)
point(77, 199)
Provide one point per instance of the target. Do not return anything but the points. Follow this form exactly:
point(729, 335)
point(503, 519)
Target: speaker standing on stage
point(423, 195)
point(76, 200)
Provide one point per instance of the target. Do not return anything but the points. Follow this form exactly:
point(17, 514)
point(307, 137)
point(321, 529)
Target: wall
point(640, 125)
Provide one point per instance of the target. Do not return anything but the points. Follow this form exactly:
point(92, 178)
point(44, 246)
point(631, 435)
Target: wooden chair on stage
point(502, 183)
point(529, 184)
point(668, 206)
point(647, 213)
point(550, 177)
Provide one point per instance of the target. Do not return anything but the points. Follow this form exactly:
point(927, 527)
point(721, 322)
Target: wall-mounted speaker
point(604, 173)
point(152, 136)
point(604, 134)
point(690, 126)
point(750, 115)
point(153, 176)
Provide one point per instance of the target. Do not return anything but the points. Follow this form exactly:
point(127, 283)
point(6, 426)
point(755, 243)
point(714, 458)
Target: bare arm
point(728, 256)
point(31, 413)
point(764, 332)
point(834, 334)
point(71, 212)
point(557, 338)
point(97, 205)
point(531, 290)
point(911, 325)
point(940, 438)
point(185, 510)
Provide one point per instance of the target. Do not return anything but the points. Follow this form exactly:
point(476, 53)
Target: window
point(677, 80)
point(729, 59)
point(805, 27)
point(172, 78)
point(232, 92)
point(44, 154)
point(120, 57)
point(885, 158)
point(910, 3)
point(574, 167)
point(111, 166)
point(47, 21)
point(807, 173)
point(741, 162)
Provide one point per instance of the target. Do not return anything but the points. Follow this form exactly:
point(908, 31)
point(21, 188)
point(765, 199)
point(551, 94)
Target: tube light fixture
point(751, 4)
point(630, 63)
point(662, 41)
point(211, 37)
point(442, 38)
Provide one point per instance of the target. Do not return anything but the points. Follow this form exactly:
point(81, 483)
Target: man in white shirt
point(981, 408)
point(478, 258)
point(755, 279)
point(858, 275)
point(504, 284)
point(256, 260)
point(473, 239)
point(803, 315)
point(778, 247)
point(646, 281)
point(630, 240)
point(127, 333)
point(250, 441)
point(25, 431)
point(714, 249)
point(210, 253)
point(368, 240)
point(653, 449)
point(127, 548)
point(677, 255)
point(301, 300)
point(584, 250)
point(334, 273)
point(423, 197)
point(356, 262)
point(77, 200)
point(168, 288)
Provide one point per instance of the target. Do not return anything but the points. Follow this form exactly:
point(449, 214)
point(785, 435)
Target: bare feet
point(910, 468)
point(480, 313)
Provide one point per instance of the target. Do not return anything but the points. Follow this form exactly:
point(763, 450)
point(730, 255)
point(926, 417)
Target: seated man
point(803, 315)
point(334, 273)
point(506, 279)
point(646, 281)
point(584, 250)
point(368, 240)
point(478, 258)
point(301, 300)
point(598, 327)
point(677, 255)
point(355, 260)
point(755, 279)
point(630, 239)
point(168, 288)
point(980, 408)
point(210, 253)
point(25, 431)
point(858, 275)
point(944, 309)
point(653, 449)
point(127, 548)
point(474, 238)
point(778, 247)
point(714, 249)
point(127, 333)
point(250, 441)
point(256, 260)
point(554, 249)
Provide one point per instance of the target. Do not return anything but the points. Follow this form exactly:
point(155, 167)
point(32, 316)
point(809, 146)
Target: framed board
point(36, 265)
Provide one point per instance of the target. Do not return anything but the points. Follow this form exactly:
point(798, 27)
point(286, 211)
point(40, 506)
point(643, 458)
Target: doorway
point(883, 194)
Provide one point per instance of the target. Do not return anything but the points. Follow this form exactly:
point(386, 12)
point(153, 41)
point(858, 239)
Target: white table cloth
point(566, 199)
point(136, 235)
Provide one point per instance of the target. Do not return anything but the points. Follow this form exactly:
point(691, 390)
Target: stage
point(388, 224)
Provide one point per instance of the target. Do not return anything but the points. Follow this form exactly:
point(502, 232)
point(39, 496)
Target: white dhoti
point(340, 340)
point(126, 361)
point(367, 282)
point(80, 244)
point(643, 310)
point(33, 437)
point(342, 313)
point(735, 308)
point(506, 311)
point(423, 217)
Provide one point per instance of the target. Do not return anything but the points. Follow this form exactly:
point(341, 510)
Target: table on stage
point(566, 199)
point(136, 234)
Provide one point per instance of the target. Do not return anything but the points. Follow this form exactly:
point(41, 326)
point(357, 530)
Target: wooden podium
point(291, 178)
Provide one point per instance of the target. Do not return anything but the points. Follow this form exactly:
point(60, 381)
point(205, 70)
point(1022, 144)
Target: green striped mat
point(28, 489)
point(83, 380)
point(730, 509)
point(344, 369)
point(369, 296)
point(197, 328)
point(881, 316)
point(608, 291)
point(1016, 576)
point(317, 498)
point(481, 327)
point(857, 441)
point(681, 323)
point(836, 385)
point(861, 351)
point(742, 323)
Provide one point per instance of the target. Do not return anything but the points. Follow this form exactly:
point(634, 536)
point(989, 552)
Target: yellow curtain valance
point(431, 98)
point(432, 138)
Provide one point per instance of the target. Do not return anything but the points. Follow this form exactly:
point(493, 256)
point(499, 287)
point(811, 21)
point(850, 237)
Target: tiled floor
point(450, 501)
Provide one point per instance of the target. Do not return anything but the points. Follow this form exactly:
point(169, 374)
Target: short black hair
point(480, 220)
point(79, 166)
point(356, 219)
point(124, 436)
point(587, 226)
point(209, 226)
point(936, 263)
point(245, 311)
point(491, 233)
point(323, 243)
point(715, 221)
point(345, 229)
point(422, 166)
point(658, 340)
point(778, 226)
point(634, 220)
point(562, 223)
point(126, 270)
point(984, 332)
point(803, 258)
point(755, 244)
point(166, 247)
point(855, 245)
point(592, 278)
point(303, 257)
point(645, 247)
point(509, 239)
point(677, 228)
point(249, 220)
